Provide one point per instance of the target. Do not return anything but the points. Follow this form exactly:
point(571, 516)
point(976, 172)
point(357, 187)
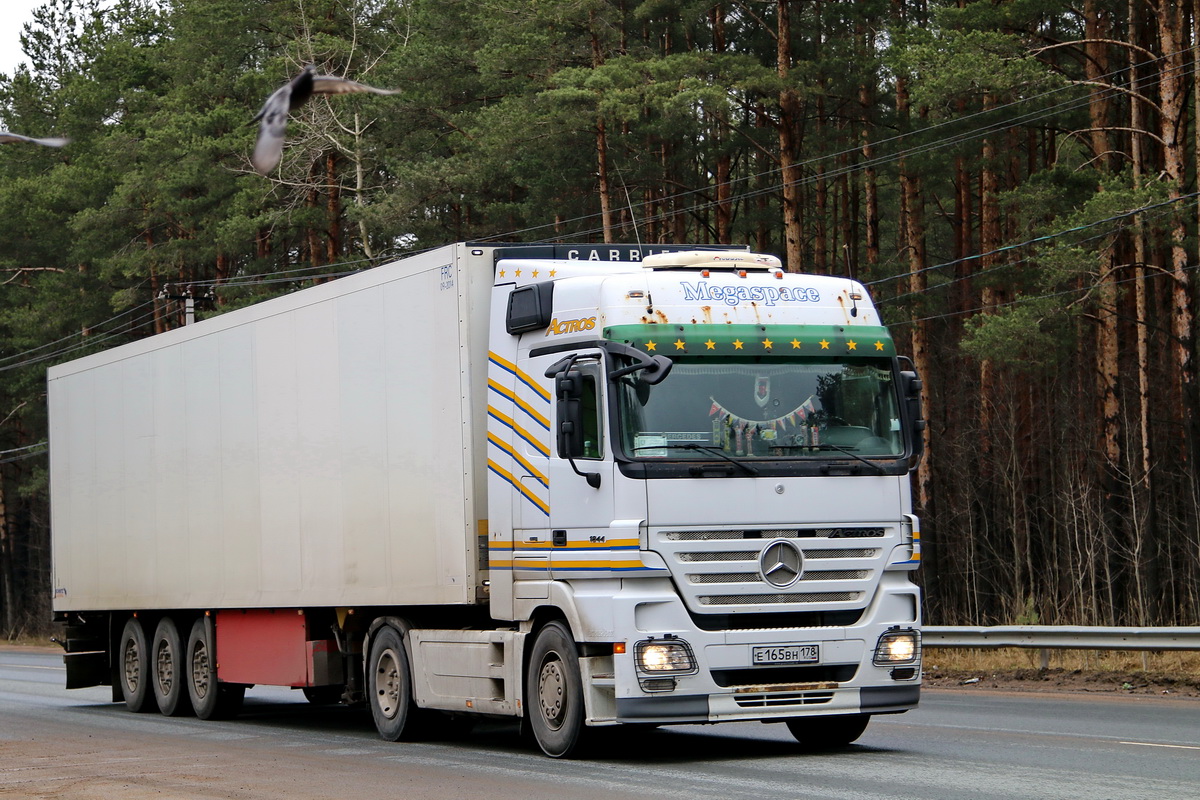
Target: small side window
point(530, 308)
point(590, 408)
point(579, 411)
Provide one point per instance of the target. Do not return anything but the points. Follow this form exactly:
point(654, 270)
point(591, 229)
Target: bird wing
point(329, 84)
point(271, 129)
point(9, 138)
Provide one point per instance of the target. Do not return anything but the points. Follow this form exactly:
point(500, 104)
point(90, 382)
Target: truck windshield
point(762, 409)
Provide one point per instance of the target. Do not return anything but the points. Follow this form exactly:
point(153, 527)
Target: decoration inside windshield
point(755, 407)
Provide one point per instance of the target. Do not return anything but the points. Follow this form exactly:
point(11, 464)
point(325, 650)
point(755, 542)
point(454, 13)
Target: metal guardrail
point(1062, 637)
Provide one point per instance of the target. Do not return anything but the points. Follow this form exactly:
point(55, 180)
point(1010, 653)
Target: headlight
point(667, 656)
point(898, 647)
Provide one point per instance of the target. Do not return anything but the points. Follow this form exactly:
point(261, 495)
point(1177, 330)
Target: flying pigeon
point(10, 138)
point(274, 113)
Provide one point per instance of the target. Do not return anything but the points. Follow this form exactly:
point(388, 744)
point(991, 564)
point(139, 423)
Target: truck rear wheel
point(828, 733)
point(168, 670)
point(389, 685)
point(210, 699)
point(554, 692)
point(133, 667)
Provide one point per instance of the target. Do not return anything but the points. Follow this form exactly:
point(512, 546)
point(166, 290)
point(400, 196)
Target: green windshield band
point(843, 341)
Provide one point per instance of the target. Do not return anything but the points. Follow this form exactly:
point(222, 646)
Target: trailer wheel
point(169, 672)
point(554, 692)
point(133, 667)
point(389, 685)
point(828, 733)
point(210, 699)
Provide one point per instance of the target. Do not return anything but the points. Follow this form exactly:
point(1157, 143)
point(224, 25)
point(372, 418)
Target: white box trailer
point(578, 485)
point(316, 450)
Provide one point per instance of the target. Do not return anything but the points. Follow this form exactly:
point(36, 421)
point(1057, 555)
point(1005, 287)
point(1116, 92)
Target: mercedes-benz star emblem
point(781, 563)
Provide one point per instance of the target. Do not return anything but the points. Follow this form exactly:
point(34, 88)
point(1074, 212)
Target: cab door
point(582, 476)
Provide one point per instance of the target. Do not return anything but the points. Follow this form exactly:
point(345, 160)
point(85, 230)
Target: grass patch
point(1008, 659)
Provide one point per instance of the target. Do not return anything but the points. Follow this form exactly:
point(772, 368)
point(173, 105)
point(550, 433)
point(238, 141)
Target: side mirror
point(653, 368)
point(568, 389)
point(911, 387)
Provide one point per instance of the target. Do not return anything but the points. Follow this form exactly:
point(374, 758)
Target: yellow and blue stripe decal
point(531, 439)
point(512, 368)
point(507, 476)
point(503, 555)
point(507, 449)
point(505, 459)
point(510, 396)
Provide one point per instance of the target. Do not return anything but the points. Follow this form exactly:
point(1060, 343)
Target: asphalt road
point(960, 744)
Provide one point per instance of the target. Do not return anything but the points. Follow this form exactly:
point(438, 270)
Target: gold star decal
point(535, 273)
point(879, 345)
point(553, 272)
point(851, 345)
point(679, 344)
point(651, 345)
point(737, 344)
point(767, 343)
point(824, 344)
point(517, 273)
point(795, 344)
point(501, 273)
point(710, 344)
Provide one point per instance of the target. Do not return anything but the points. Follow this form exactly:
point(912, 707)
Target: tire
point(168, 672)
point(133, 667)
point(828, 733)
point(209, 698)
point(389, 685)
point(554, 692)
point(323, 695)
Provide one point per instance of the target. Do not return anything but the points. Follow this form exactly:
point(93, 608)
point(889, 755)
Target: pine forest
point(1015, 181)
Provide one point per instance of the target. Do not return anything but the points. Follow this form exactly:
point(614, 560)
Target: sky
point(14, 14)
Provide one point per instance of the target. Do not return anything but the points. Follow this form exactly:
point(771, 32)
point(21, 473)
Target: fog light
point(898, 647)
point(658, 684)
point(666, 656)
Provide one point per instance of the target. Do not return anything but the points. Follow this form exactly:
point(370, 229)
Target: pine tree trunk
point(1173, 125)
point(7, 570)
point(789, 118)
point(333, 209)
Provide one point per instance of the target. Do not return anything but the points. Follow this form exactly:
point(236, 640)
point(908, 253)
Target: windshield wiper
point(704, 449)
point(852, 454)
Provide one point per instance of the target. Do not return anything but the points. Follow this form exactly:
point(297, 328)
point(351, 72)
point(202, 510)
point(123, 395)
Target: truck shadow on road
point(334, 726)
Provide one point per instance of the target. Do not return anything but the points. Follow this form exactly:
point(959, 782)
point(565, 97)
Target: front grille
point(755, 577)
point(776, 533)
point(775, 619)
point(782, 699)
point(718, 572)
point(736, 555)
point(775, 599)
point(726, 577)
point(844, 552)
point(765, 676)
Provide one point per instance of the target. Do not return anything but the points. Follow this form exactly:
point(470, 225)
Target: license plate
point(787, 654)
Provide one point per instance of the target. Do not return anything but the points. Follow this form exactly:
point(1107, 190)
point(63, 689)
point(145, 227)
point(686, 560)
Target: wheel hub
point(166, 670)
point(133, 673)
point(200, 675)
point(387, 683)
point(551, 687)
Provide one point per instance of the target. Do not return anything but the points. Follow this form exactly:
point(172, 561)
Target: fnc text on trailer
point(578, 486)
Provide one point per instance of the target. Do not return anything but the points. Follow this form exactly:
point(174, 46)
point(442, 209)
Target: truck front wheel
point(133, 667)
point(389, 684)
point(554, 692)
point(828, 733)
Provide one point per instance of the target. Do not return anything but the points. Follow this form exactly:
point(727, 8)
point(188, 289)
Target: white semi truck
point(581, 486)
